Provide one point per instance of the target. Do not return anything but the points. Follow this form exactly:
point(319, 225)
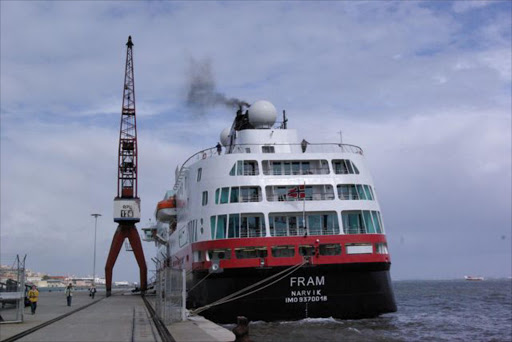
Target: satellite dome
point(224, 136)
point(262, 114)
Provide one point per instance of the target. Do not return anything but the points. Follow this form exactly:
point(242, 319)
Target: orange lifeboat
point(166, 209)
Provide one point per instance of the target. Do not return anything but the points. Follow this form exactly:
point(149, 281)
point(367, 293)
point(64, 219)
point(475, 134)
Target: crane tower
point(127, 202)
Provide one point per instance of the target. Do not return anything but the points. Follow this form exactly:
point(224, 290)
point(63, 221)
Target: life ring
point(204, 155)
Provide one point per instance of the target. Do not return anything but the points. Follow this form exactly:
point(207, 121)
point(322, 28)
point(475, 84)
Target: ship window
point(296, 168)
point(234, 195)
point(283, 251)
point(306, 250)
point(217, 192)
point(199, 171)
point(239, 194)
point(234, 226)
point(323, 224)
point(252, 226)
point(344, 166)
point(370, 228)
point(286, 167)
point(360, 191)
point(378, 222)
point(371, 192)
point(251, 252)
point(355, 192)
point(192, 230)
point(244, 168)
point(330, 249)
point(212, 225)
point(280, 226)
point(353, 222)
point(368, 192)
point(347, 192)
point(359, 248)
point(246, 225)
point(361, 222)
point(250, 194)
point(276, 168)
point(250, 168)
point(205, 198)
point(381, 248)
point(221, 227)
point(293, 224)
point(305, 168)
point(299, 193)
point(219, 254)
point(224, 195)
point(267, 149)
point(314, 224)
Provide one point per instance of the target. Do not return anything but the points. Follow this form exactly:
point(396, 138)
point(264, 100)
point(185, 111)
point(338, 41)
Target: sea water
point(442, 310)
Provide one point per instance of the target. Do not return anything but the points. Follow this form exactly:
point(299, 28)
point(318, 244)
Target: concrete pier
point(121, 317)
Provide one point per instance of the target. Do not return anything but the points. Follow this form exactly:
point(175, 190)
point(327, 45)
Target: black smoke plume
point(202, 92)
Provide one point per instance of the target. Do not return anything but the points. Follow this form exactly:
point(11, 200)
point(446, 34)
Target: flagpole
point(304, 208)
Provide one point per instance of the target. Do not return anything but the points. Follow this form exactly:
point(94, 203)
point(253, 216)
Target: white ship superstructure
point(268, 200)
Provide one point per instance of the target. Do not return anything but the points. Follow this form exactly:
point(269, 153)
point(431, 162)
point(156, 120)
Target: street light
point(94, 262)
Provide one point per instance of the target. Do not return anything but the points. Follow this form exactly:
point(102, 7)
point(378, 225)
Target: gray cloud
point(425, 93)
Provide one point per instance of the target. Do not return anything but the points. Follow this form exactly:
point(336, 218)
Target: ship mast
point(127, 202)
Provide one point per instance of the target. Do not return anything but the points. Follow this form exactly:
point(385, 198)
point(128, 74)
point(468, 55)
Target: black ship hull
point(344, 291)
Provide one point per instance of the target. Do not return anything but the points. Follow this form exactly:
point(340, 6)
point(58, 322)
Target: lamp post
point(94, 262)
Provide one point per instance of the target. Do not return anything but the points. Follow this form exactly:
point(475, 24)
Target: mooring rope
point(199, 282)
point(238, 294)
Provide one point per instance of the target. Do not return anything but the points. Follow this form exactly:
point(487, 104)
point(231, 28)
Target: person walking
point(33, 296)
point(93, 291)
point(69, 293)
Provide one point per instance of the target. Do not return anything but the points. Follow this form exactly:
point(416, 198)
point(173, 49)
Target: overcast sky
point(423, 87)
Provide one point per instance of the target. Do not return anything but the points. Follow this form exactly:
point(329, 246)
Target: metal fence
point(13, 292)
point(170, 298)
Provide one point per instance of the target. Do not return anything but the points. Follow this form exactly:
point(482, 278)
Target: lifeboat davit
point(166, 209)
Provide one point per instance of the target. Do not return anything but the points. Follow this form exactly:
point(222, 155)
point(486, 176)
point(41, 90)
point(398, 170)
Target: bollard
point(241, 331)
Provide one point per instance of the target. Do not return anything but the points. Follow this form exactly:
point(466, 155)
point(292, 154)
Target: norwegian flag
point(297, 192)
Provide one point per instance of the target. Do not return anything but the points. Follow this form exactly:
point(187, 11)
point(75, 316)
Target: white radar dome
point(262, 114)
point(224, 136)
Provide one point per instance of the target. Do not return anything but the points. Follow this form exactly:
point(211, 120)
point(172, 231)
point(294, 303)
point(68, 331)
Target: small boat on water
point(473, 278)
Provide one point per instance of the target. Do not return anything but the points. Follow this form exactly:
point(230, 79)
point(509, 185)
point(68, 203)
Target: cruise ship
point(272, 227)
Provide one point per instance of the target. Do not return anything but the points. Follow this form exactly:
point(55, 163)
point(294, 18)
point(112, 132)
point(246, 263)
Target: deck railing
point(256, 149)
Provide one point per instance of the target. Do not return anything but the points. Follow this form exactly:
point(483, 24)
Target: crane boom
point(127, 167)
point(127, 202)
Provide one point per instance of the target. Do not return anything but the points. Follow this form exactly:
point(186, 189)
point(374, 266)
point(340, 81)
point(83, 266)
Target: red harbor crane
point(127, 202)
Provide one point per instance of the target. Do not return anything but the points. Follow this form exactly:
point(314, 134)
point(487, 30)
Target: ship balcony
point(295, 167)
point(321, 192)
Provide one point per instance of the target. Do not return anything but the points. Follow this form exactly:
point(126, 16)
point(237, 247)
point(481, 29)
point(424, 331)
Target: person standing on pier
point(93, 291)
point(33, 296)
point(69, 293)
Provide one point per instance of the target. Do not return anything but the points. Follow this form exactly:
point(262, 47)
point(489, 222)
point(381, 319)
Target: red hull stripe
point(267, 243)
